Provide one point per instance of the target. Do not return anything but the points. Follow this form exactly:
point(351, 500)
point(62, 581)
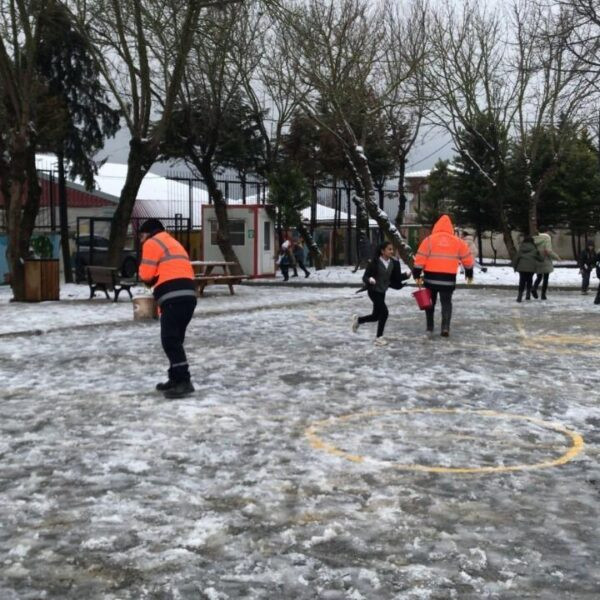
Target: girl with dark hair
point(382, 272)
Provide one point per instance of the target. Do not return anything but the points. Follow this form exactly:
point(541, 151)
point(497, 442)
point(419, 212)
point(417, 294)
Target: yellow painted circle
point(312, 433)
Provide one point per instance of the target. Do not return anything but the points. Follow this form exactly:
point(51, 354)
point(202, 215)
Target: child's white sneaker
point(355, 323)
point(380, 341)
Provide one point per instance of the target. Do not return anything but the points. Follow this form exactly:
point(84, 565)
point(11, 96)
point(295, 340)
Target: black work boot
point(446, 316)
point(166, 385)
point(181, 389)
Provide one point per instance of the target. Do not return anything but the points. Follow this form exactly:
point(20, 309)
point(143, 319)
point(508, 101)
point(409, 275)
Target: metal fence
point(46, 219)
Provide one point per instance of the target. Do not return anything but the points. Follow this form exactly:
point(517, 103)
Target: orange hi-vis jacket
point(439, 254)
point(166, 266)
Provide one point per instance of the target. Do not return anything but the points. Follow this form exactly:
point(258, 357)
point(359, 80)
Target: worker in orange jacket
point(437, 260)
point(166, 267)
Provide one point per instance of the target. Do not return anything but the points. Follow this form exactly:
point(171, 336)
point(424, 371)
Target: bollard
point(144, 307)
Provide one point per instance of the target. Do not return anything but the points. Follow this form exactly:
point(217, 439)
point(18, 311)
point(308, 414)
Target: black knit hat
point(151, 226)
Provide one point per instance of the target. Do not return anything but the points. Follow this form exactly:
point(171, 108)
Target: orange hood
point(443, 225)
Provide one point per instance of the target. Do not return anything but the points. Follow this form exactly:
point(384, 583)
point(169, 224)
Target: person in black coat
point(382, 272)
point(587, 262)
point(298, 252)
point(597, 299)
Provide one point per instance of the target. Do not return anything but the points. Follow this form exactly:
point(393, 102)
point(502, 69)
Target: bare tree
point(550, 91)
point(20, 34)
point(211, 95)
point(581, 27)
point(406, 51)
point(337, 57)
point(503, 76)
point(141, 50)
point(468, 77)
point(269, 85)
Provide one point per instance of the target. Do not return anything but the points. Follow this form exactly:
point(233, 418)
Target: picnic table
point(213, 272)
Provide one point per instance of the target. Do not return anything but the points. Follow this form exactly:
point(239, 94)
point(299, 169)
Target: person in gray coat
point(526, 262)
point(544, 244)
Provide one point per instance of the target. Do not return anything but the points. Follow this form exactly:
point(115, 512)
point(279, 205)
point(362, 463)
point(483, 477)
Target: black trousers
point(536, 283)
point(301, 265)
point(525, 281)
point(174, 319)
point(446, 301)
point(585, 279)
point(285, 269)
point(380, 312)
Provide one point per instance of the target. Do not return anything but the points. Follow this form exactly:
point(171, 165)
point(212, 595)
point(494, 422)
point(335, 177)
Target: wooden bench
point(203, 280)
point(108, 279)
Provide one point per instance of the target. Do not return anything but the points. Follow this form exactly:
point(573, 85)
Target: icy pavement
point(309, 464)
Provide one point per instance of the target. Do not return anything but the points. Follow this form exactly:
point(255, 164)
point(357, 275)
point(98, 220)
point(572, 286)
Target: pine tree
point(78, 116)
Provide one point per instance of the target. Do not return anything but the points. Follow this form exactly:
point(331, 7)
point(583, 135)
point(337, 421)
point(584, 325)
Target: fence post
point(349, 229)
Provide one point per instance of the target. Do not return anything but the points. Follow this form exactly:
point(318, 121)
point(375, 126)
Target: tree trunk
point(141, 157)
point(573, 245)
point(380, 195)
point(493, 247)
point(64, 218)
point(359, 167)
point(313, 249)
point(23, 206)
point(223, 236)
point(504, 224)
point(204, 166)
point(401, 191)
point(363, 246)
point(313, 208)
point(479, 244)
point(14, 255)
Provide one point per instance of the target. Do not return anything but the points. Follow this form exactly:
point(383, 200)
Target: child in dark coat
point(382, 272)
point(587, 262)
point(597, 299)
point(286, 259)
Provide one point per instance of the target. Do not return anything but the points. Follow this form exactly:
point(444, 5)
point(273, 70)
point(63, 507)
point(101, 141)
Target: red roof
point(77, 196)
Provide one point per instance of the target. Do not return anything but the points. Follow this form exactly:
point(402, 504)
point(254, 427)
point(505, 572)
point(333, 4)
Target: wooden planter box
point(42, 279)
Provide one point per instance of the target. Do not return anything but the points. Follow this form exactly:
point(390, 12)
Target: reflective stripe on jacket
point(166, 265)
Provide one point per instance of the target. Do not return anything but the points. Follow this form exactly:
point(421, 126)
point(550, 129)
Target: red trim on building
point(76, 198)
point(255, 241)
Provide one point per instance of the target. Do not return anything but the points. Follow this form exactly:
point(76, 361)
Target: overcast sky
point(432, 146)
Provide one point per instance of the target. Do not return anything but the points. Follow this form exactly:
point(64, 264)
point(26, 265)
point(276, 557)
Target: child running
point(382, 272)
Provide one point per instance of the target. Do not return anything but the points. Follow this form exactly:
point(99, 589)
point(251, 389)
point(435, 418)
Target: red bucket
point(423, 298)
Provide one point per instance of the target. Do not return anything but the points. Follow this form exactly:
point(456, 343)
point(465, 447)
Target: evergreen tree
point(241, 146)
point(475, 198)
point(74, 88)
point(76, 116)
point(437, 200)
point(569, 184)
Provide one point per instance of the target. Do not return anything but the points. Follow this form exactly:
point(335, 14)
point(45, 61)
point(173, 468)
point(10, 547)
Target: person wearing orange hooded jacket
point(436, 263)
point(166, 266)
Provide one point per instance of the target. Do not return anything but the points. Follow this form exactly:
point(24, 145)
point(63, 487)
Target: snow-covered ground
point(562, 276)
point(309, 464)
